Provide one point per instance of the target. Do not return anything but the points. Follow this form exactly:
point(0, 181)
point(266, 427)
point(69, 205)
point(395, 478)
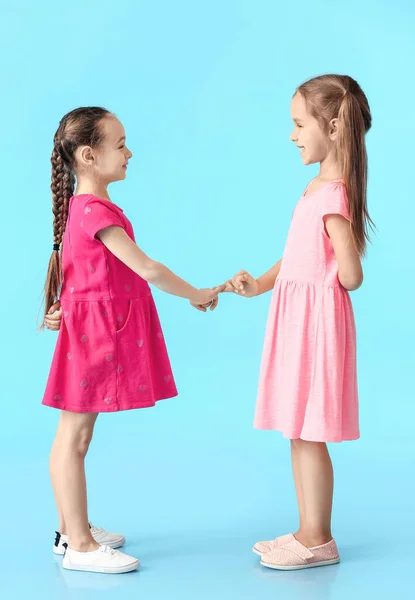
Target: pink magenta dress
point(110, 353)
point(308, 383)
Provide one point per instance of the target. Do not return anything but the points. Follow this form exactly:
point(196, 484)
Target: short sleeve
point(335, 201)
point(98, 215)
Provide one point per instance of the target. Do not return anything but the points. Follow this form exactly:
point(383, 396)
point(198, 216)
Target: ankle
point(82, 545)
point(310, 539)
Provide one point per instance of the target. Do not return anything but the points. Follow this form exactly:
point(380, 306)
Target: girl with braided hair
point(308, 383)
point(110, 353)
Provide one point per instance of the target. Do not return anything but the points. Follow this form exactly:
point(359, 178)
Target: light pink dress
point(110, 354)
point(308, 383)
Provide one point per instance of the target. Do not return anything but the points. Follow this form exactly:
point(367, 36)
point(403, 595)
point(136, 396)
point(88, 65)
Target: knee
point(78, 441)
point(82, 442)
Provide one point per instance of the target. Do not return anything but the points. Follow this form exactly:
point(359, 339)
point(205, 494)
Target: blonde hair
point(340, 97)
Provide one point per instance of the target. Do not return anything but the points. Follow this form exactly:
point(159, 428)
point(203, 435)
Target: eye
point(123, 146)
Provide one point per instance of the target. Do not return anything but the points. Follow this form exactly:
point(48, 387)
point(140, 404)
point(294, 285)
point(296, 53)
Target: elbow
point(351, 281)
point(152, 271)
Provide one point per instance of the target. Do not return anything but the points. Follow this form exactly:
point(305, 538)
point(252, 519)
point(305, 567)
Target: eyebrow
point(121, 139)
point(296, 120)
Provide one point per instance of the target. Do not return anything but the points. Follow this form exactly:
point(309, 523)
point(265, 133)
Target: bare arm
point(245, 285)
point(348, 259)
point(267, 280)
point(122, 246)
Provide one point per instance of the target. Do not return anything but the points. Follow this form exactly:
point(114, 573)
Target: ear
point(333, 129)
point(86, 156)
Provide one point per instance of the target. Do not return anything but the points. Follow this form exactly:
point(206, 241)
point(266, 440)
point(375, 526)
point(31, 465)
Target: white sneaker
point(102, 537)
point(103, 560)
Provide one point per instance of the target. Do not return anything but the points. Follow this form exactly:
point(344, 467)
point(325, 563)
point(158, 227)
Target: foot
point(293, 555)
point(103, 560)
point(102, 537)
point(261, 548)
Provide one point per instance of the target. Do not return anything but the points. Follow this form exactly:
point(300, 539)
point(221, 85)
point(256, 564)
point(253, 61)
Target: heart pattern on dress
point(109, 357)
point(140, 343)
point(84, 383)
point(69, 356)
point(84, 339)
point(57, 398)
point(108, 400)
point(87, 210)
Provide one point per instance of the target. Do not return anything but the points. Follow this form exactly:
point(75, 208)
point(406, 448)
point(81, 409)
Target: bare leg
point(68, 477)
point(295, 461)
point(316, 475)
point(54, 470)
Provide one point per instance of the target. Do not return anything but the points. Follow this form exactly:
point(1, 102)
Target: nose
point(293, 137)
point(129, 153)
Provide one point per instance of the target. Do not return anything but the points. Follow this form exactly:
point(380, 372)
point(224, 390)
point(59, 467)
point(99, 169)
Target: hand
point(209, 298)
point(243, 284)
point(53, 319)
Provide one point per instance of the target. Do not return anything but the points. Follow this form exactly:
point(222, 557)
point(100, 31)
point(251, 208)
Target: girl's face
point(108, 162)
point(315, 145)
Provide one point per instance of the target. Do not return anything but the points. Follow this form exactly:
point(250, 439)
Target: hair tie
point(56, 247)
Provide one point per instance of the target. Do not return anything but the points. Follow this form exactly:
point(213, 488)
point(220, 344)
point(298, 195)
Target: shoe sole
point(118, 544)
point(322, 563)
point(105, 570)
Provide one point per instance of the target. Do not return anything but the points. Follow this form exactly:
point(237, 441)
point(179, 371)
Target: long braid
point(62, 187)
point(80, 127)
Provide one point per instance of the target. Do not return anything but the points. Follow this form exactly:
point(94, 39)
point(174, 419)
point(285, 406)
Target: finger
point(228, 287)
point(199, 307)
point(57, 316)
point(54, 307)
point(219, 289)
point(237, 284)
point(247, 277)
point(52, 326)
point(214, 304)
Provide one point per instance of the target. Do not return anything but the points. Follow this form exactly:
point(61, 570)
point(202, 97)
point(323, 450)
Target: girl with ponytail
point(308, 382)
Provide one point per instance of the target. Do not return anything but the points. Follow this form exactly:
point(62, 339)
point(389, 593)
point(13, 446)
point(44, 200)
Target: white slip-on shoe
point(103, 560)
point(102, 537)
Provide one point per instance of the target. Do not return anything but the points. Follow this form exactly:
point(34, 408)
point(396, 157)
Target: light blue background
point(203, 90)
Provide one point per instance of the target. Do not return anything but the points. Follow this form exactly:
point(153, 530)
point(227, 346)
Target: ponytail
point(340, 97)
point(351, 150)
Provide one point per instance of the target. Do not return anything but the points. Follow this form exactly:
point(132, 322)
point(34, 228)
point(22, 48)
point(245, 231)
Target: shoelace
point(95, 529)
point(108, 550)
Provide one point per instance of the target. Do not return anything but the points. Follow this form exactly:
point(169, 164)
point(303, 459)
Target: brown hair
point(340, 97)
point(80, 127)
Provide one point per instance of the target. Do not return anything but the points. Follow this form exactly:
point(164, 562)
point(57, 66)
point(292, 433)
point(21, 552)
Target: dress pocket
point(123, 309)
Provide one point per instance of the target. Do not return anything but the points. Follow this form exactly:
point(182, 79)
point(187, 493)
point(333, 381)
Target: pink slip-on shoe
point(293, 555)
point(261, 548)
